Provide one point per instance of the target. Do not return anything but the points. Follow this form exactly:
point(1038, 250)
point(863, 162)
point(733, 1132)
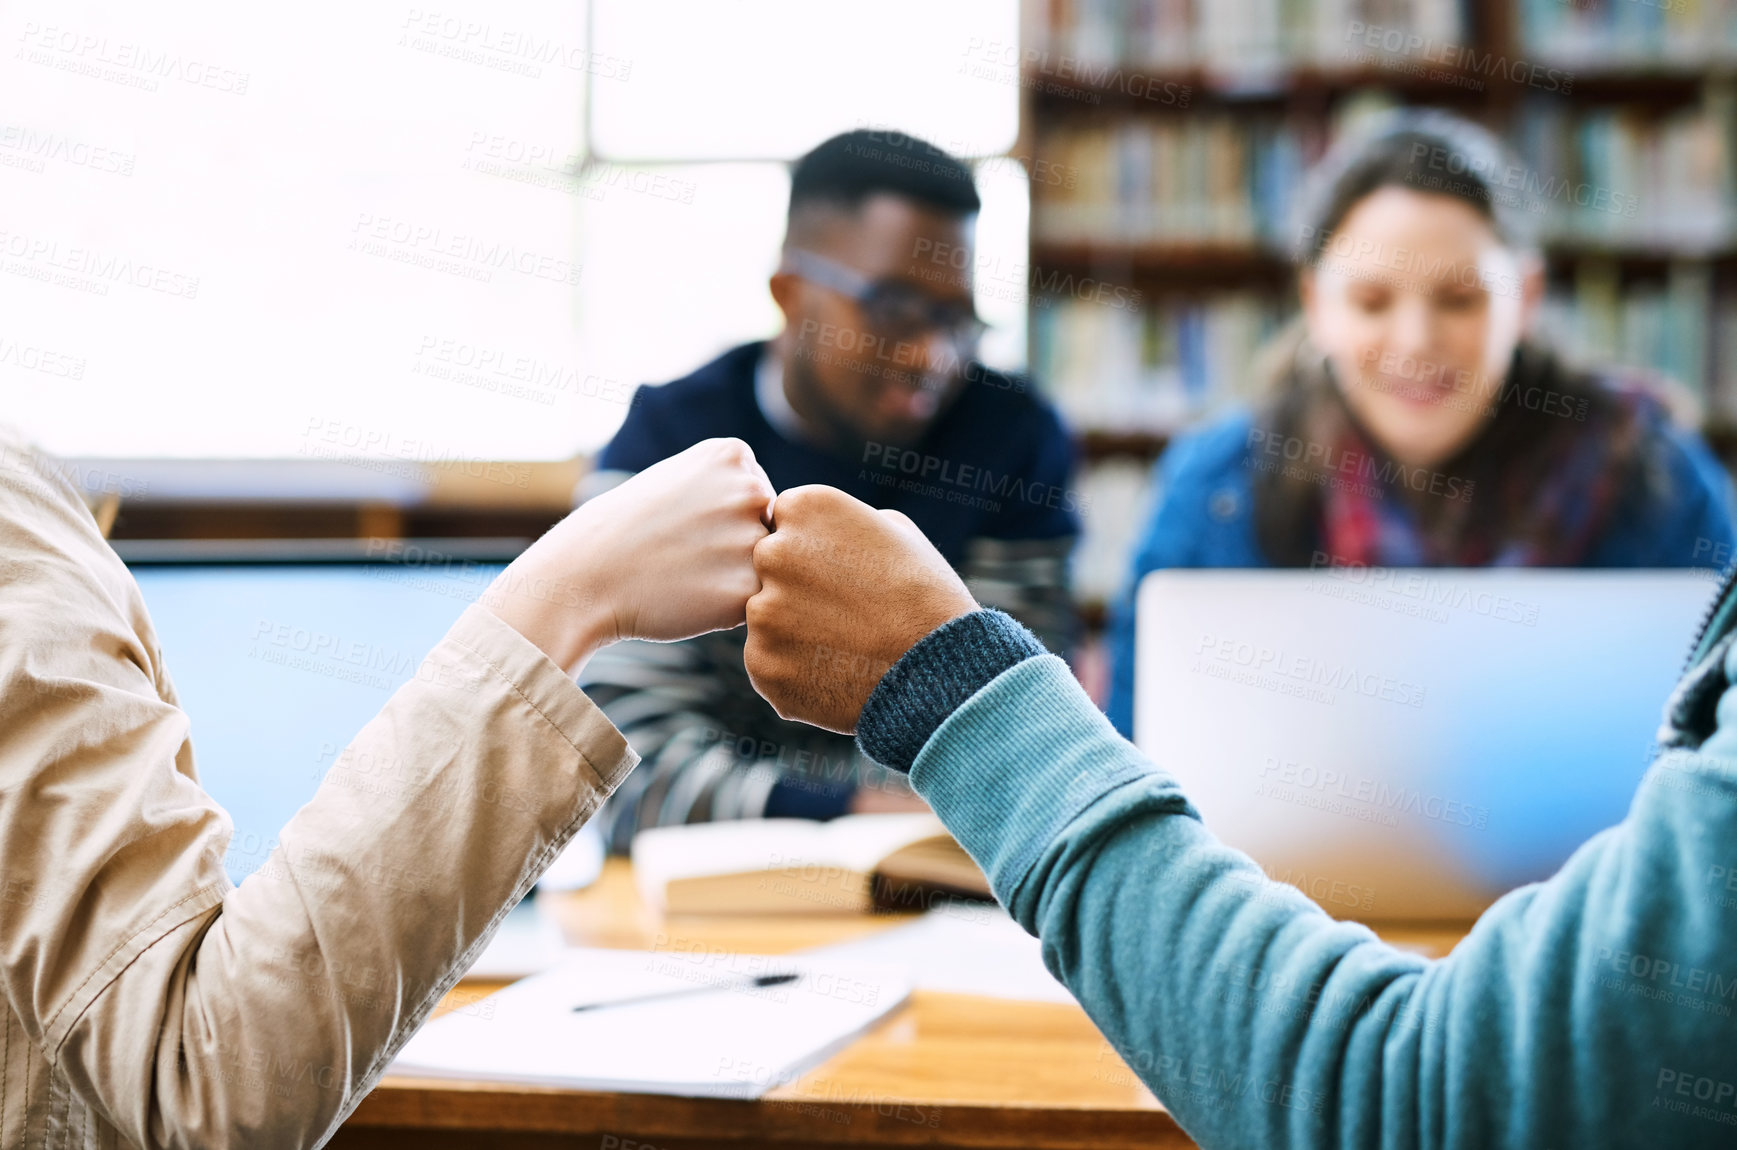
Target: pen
point(756, 983)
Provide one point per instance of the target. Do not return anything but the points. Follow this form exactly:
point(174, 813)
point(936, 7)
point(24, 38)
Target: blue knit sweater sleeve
point(1591, 1010)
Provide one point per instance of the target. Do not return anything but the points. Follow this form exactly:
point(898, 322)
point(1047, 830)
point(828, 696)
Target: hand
point(666, 555)
point(845, 591)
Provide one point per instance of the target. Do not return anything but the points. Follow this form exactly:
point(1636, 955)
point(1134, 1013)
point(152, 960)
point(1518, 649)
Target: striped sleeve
point(1028, 579)
point(710, 748)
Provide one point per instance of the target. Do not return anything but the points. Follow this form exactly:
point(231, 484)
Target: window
point(418, 232)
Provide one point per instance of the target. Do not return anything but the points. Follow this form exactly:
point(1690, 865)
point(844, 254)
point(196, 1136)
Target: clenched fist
point(845, 590)
point(666, 555)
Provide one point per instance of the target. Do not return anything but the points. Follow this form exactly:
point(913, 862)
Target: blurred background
point(393, 272)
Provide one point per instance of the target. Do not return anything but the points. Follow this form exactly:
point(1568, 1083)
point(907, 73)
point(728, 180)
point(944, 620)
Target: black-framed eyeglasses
point(892, 307)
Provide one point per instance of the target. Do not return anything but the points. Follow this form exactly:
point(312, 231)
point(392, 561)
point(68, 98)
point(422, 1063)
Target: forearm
point(263, 1021)
point(1260, 1021)
point(711, 749)
point(1255, 1017)
point(663, 697)
point(1165, 936)
point(188, 1012)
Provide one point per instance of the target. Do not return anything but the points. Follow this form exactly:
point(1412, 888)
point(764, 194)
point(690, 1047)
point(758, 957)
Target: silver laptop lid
point(1409, 744)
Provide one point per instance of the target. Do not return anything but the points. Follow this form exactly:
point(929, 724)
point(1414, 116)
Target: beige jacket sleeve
point(149, 1001)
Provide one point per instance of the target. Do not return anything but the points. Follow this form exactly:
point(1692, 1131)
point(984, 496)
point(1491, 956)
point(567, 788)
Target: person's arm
point(1576, 1013)
point(1682, 516)
point(1028, 579)
point(710, 748)
point(1198, 489)
point(1169, 534)
point(187, 1012)
point(658, 695)
point(1699, 529)
point(1019, 560)
point(672, 701)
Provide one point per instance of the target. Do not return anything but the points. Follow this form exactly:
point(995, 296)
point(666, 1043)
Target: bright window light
point(379, 230)
point(714, 79)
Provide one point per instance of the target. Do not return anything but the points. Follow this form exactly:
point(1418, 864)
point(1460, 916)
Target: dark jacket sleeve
point(646, 436)
point(1689, 525)
point(1182, 483)
point(710, 748)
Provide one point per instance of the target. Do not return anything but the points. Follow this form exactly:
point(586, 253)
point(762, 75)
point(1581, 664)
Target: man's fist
point(665, 555)
point(845, 590)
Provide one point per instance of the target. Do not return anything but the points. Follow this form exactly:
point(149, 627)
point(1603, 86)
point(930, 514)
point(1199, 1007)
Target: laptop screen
point(278, 665)
point(1429, 737)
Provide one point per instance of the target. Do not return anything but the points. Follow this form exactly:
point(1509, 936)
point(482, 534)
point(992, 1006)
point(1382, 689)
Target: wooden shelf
point(1187, 263)
point(1637, 256)
point(238, 520)
point(1662, 86)
point(1098, 444)
point(1208, 265)
point(1721, 437)
point(1132, 86)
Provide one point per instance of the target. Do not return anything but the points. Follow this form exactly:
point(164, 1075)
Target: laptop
point(1408, 745)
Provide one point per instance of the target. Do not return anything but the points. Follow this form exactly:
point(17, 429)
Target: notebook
point(850, 865)
point(720, 1038)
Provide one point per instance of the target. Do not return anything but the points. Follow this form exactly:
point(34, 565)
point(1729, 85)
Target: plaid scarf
point(1560, 502)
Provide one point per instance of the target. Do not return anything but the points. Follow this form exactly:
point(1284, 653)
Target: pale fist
point(666, 555)
point(845, 591)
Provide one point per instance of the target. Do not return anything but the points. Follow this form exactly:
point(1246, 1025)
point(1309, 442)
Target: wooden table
point(944, 1070)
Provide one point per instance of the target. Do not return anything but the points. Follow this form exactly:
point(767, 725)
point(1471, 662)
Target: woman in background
point(1413, 419)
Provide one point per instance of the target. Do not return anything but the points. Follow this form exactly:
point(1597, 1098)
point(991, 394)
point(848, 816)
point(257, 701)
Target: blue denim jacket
point(1204, 517)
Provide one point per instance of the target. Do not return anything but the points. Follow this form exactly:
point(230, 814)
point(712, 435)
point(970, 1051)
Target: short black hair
point(847, 169)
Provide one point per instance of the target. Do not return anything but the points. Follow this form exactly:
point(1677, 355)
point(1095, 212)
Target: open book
point(850, 865)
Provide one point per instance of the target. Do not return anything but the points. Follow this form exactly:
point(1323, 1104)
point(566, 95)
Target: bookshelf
point(1182, 128)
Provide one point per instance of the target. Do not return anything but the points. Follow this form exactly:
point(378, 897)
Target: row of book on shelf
point(1249, 40)
point(1239, 38)
point(1615, 34)
point(1614, 176)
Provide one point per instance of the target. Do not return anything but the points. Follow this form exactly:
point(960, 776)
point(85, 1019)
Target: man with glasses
point(871, 388)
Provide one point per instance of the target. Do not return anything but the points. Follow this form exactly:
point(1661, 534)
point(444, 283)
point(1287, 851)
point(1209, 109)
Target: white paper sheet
point(724, 1043)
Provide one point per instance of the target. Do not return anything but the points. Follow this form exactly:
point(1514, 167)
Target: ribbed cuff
point(946, 667)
